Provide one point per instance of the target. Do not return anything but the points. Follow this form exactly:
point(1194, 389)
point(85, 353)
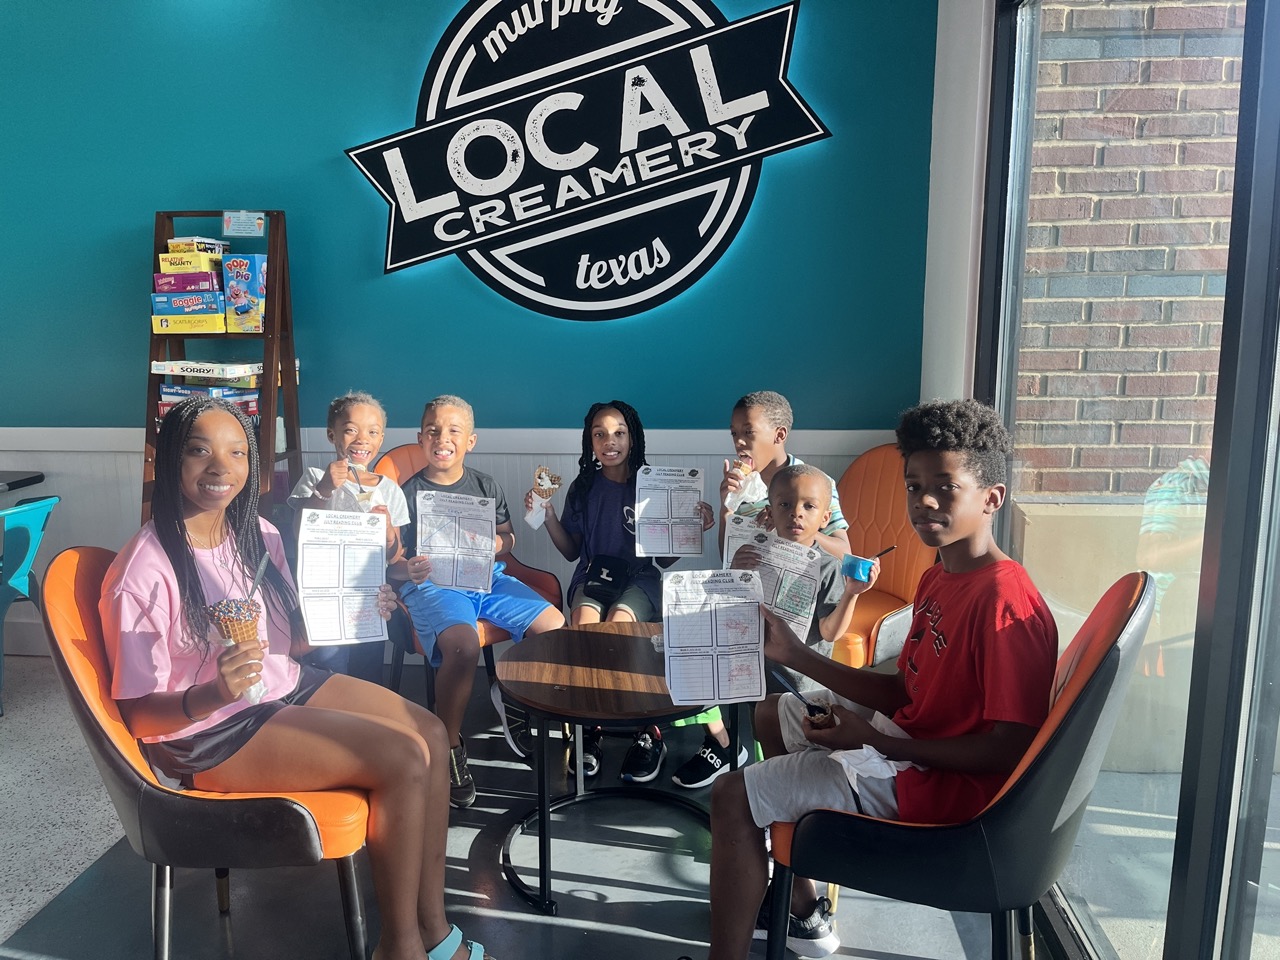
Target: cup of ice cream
point(856, 568)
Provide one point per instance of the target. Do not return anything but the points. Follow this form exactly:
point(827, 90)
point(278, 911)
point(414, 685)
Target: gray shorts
point(632, 598)
point(782, 789)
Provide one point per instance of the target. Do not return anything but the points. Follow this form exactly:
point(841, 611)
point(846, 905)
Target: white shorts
point(782, 789)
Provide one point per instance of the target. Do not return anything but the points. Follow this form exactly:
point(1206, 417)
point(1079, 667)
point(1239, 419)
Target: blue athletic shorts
point(511, 606)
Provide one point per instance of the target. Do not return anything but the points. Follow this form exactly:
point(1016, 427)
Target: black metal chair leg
point(222, 879)
point(779, 912)
point(1002, 936)
point(161, 909)
point(352, 908)
point(1026, 934)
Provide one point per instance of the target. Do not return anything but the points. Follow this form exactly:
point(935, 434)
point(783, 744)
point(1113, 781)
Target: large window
point(1119, 222)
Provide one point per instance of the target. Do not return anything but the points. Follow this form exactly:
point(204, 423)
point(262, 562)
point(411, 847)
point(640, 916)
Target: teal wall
point(111, 111)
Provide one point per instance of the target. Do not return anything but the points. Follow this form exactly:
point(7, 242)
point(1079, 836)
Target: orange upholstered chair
point(187, 828)
point(874, 501)
point(1005, 858)
point(399, 464)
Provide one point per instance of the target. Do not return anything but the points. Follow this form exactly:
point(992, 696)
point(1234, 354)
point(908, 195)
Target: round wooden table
point(607, 674)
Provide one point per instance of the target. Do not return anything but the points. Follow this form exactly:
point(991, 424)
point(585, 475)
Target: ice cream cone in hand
point(545, 483)
point(236, 620)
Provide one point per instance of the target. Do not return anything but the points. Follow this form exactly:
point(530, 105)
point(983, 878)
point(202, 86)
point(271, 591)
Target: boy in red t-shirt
point(931, 743)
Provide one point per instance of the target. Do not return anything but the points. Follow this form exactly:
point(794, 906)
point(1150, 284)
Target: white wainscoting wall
point(98, 474)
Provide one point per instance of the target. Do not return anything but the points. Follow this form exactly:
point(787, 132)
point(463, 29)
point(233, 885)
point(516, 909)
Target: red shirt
point(982, 648)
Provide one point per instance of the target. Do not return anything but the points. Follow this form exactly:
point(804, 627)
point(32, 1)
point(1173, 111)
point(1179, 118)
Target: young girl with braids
point(598, 530)
point(185, 695)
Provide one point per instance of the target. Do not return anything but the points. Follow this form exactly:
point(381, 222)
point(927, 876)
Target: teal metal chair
point(21, 530)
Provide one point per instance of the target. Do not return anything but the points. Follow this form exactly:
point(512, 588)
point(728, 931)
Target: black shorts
point(176, 761)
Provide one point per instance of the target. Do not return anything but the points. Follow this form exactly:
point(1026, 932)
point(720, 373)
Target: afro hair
point(961, 426)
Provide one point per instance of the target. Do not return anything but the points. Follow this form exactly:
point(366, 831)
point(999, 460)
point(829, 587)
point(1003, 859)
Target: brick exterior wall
point(1128, 223)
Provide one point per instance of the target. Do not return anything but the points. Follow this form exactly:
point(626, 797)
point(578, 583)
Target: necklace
point(219, 558)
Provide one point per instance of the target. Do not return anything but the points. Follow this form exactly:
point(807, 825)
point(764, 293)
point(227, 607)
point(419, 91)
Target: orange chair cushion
point(71, 593)
point(1079, 662)
point(855, 647)
point(874, 500)
point(400, 463)
point(780, 837)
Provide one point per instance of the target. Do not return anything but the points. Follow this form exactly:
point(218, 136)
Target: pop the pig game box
point(244, 284)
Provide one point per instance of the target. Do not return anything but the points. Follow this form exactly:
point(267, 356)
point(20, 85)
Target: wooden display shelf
point(278, 357)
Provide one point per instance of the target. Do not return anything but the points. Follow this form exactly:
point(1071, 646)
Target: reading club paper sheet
point(789, 571)
point(457, 534)
point(667, 520)
point(342, 561)
point(713, 636)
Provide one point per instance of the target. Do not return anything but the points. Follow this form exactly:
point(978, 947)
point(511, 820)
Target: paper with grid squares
point(713, 636)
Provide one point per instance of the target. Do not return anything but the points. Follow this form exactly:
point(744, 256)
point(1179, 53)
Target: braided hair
point(588, 466)
point(241, 519)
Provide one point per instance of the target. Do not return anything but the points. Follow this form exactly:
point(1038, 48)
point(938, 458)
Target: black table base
point(540, 815)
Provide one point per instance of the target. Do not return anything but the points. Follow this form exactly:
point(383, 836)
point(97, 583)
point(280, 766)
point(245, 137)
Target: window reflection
point(1121, 228)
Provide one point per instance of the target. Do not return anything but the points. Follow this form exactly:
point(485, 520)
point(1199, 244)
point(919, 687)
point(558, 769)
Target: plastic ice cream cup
point(856, 568)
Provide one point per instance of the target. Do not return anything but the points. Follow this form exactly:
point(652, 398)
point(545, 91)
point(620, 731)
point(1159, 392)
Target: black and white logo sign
point(589, 159)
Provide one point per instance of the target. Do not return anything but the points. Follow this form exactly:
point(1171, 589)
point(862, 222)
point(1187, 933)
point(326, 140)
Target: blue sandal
point(445, 949)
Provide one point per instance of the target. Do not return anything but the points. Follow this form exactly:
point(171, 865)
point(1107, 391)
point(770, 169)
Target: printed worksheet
point(342, 561)
point(667, 520)
point(713, 636)
point(457, 534)
point(789, 572)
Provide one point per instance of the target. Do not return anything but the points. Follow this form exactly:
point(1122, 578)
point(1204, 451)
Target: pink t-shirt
point(142, 624)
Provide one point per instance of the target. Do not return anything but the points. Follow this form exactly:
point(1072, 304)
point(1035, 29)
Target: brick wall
point(1128, 224)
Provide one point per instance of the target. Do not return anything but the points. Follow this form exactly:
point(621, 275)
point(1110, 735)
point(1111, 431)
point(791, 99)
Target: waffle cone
point(822, 720)
point(548, 491)
point(238, 631)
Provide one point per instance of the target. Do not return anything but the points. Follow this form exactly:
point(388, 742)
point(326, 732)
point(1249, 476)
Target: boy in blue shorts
point(971, 690)
point(445, 619)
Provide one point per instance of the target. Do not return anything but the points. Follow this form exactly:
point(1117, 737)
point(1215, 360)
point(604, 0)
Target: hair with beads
point(241, 519)
point(959, 426)
point(774, 406)
point(588, 466)
point(340, 405)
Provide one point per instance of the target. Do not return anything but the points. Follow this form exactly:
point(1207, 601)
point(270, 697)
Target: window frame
point(1239, 496)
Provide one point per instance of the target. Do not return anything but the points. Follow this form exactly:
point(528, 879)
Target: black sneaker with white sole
point(813, 937)
point(462, 789)
point(515, 724)
point(592, 753)
point(644, 758)
point(709, 762)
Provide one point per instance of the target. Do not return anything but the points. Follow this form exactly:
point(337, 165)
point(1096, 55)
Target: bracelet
point(186, 712)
